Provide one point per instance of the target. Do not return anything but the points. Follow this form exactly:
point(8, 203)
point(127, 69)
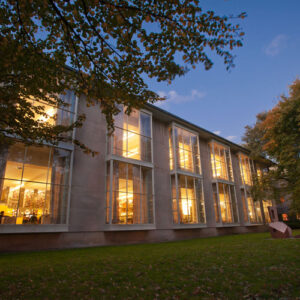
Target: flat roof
point(169, 117)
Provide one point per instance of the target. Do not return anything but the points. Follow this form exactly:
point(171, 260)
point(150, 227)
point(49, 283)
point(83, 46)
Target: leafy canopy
point(277, 134)
point(110, 45)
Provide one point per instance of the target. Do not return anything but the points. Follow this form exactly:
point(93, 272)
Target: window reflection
point(53, 115)
point(252, 209)
point(186, 150)
point(244, 162)
point(221, 162)
point(132, 135)
point(225, 203)
point(39, 193)
point(131, 194)
point(266, 204)
point(190, 200)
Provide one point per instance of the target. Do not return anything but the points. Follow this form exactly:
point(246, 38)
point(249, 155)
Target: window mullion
point(110, 190)
point(231, 205)
point(186, 197)
point(49, 159)
point(177, 198)
point(214, 160)
point(141, 196)
point(219, 203)
point(25, 154)
point(197, 205)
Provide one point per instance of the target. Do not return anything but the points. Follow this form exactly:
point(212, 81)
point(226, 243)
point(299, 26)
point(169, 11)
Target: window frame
point(251, 168)
point(110, 144)
point(177, 171)
point(32, 228)
point(221, 223)
point(244, 192)
point(230, 183)
point(213, 142)
point(110, 158)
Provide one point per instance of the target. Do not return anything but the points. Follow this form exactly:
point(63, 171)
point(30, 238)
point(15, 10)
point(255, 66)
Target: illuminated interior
point(225, 202)
point(221, 162)
point(185, 157)
point(27, 195)
point(131, 143)
point(171, 151)
point(125, 198)
point(190, 200)
point(132, 136)
point(131, 193)
point(188, 207)
point(57, 116)
point(244, 162)
point(187, 150)
point(253, 209)
point(266, 204)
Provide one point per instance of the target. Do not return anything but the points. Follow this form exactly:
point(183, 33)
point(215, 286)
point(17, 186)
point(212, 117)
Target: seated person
point(33, 219)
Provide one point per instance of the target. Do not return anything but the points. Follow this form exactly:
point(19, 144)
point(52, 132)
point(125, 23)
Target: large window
point(57, 116)
point(225, 203)
point(251, 208)
point(129, 186)
point(34, 184)
point(186, 181)
point(132, 136)
point(187, 199)
point(220, 162)
point(245, 169)
point(186, 150)
point(266, 204)
point(129, 194)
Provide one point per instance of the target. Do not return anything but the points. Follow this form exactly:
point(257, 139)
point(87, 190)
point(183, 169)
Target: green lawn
point(237, 267)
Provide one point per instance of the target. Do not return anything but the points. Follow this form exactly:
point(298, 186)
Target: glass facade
point(266, 204)
point(132, 136)
point(129, 197)
point(225, 203)
point(131, 189)
point(34, 184)
point(190, 205)
point(224, 198)
point(220, 162)
point(58, 116)
point(245, 169)
point(187, 195)
point(251, 208)
point(186, 150)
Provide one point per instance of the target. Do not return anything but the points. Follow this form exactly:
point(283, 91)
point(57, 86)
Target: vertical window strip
point(185, 158)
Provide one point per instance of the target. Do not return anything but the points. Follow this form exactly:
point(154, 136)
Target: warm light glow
point(225, 204)
point(188, 208)
point(187, 203)
point(171, 153)
point(185, 157)
point(266, 204)
point(131, 143)
point(17, 187)
point(244, 162)
point(125, 199)
point(50, 112)
point(218, 161)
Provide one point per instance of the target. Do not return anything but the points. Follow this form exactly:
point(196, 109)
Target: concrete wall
point(44, 241)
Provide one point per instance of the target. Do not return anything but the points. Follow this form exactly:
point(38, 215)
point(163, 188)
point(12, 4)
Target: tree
point(277, 134)
point(110, 47)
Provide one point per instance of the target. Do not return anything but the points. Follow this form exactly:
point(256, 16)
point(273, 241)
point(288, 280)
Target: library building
point(156, 178)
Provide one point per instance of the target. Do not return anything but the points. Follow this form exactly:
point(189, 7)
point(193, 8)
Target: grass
point(249, 266)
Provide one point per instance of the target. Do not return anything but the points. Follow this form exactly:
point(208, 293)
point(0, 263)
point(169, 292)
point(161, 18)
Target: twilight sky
point(224, 102)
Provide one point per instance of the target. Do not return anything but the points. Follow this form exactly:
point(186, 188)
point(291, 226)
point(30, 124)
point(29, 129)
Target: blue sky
point(225, 102)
